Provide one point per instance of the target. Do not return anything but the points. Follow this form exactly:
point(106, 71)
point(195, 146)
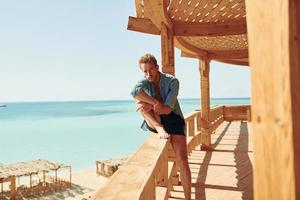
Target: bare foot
point(162, 133)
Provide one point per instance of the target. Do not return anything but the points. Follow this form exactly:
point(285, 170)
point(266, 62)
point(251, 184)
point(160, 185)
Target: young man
point(156, 98)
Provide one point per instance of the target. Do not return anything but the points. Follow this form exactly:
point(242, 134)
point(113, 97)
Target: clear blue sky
point(80, 50)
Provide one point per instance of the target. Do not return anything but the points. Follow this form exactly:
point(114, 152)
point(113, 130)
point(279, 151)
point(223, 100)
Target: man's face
point(150, 70)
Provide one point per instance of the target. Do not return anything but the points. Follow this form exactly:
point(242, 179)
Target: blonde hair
point(148, 58)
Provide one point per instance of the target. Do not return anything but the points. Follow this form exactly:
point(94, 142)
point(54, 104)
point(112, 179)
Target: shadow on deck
point(225, 172)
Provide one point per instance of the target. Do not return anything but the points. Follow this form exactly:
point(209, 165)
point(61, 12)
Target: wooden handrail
point(136, 175)
point(238, 112)
point(190, 121)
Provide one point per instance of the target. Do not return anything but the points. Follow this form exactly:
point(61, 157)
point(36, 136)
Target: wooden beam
point(189, 48)
point(274, 41)
point(143, 25)
point(228, 54)
point(188, 55)
point(138, 8)
point(204, 69)
point(156, 11)
point(167, 50)
point(294, 42)
point(213, 29)
point(235, 62)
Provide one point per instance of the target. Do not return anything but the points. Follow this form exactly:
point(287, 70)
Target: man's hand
point(161, 109)
point(144, 107)
point(158, 108)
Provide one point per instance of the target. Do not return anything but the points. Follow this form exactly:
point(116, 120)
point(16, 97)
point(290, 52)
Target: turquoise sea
point(78, 132)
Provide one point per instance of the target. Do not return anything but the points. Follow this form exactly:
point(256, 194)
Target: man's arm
point(158, 107)
point(171, 98)
point(161, 109)
point(143, 97)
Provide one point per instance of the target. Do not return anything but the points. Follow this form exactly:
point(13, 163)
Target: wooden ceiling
point(214, 29)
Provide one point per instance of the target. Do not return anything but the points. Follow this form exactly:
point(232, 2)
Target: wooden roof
point(27, 168)
point(215, 29)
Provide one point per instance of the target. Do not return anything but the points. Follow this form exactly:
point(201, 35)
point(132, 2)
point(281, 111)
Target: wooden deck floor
point(225, 172)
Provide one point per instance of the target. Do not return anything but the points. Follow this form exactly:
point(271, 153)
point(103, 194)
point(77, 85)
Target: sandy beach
point(84, 184)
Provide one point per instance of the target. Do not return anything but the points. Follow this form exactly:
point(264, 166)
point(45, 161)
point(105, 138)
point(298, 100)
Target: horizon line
point(82, 100)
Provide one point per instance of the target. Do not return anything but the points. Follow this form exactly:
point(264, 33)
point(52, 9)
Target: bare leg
point(154, 123)
point(153, 120)
point(179, 145)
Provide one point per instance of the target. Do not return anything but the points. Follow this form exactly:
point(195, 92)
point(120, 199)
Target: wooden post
point(70, 176)
point(161, 178)
point(30, 181)
point(191, 127)
point(205, 103)
point(149, 192)
point(167, 50)
point(55, 175)
point(274, 41)
point(44, 177)
point(13, 191)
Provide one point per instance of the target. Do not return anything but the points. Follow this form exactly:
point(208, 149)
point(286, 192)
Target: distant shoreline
point(114, 100)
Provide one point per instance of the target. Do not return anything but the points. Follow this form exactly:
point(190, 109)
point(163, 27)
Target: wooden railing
point(151, 172)
point(241, 112)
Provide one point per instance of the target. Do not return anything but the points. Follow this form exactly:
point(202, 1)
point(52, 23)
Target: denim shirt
point(169, 87)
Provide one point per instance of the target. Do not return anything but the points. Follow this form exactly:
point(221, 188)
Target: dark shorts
point(173, 124)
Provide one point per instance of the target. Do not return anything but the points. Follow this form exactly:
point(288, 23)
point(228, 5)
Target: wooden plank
point(138, 8)
point(199, 120)
point(190, 116)
point(143, 25)
point(182, 44)
point(171, 181)
point(232, 113)
point(191, 127)
point(215, 125)
point(132, 178)
point(173, 174)
point(188, 55)
point(156, 11)
point(236, 62)
point(161, 170)
point(190, 123)
point(206, 9)
point(187, 47)
point(151, 14)
point(215, 113)
point(295, 84)
point(273, 32)
point(210, 29)
point(228, 54)
point(149, 192)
